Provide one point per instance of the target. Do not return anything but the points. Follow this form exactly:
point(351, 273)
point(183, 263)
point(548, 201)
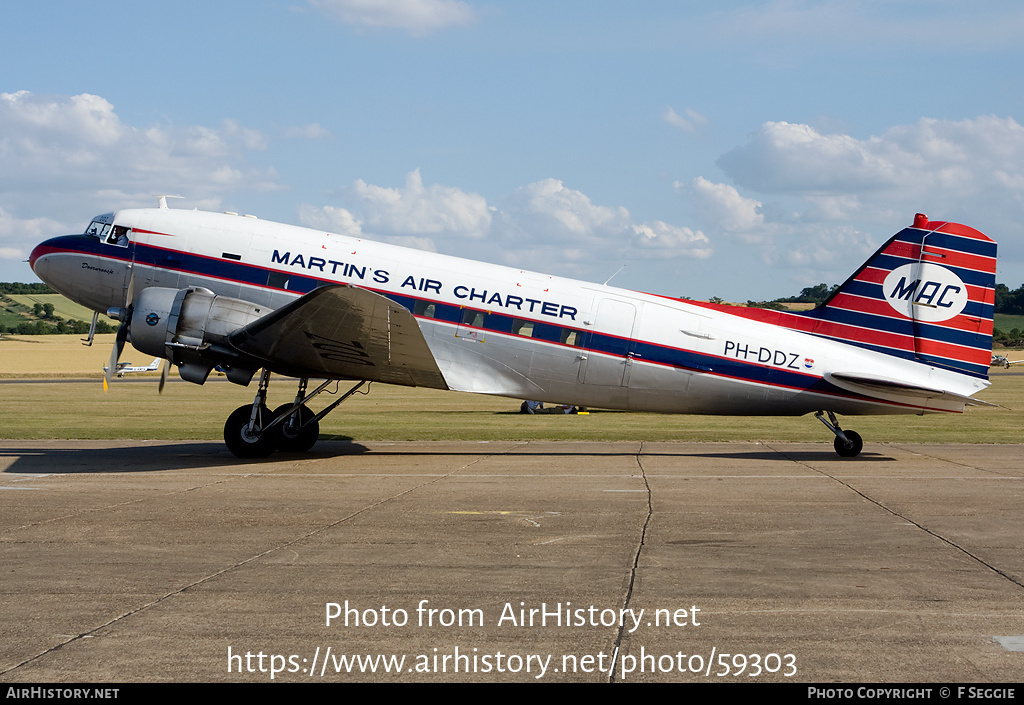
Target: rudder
point(928, 294)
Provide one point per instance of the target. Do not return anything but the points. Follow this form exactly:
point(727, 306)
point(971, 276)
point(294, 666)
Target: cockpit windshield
point(105, 231)
point(98, 229)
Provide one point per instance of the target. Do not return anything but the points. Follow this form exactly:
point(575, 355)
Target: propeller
point(122, 335)
point(125, 316)
point(163, 375)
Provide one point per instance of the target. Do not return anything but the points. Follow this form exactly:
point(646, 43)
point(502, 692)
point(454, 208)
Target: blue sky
point(735, 149)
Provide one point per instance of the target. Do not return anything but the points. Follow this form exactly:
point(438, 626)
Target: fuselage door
point(609, 347)
point(120, 243)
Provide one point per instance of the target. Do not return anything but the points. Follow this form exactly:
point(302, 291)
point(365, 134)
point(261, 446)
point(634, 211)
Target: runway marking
point(544, 543)
point(519, 514)
point(1010, 643)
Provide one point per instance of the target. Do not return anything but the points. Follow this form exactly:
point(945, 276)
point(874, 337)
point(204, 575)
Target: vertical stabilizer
point(927, 294)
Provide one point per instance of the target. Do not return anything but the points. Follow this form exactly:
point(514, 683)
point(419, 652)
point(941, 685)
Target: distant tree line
point(1007, 301)
point(1011, 302)
point(60, 327)
point(808, 295)
point(20, 288)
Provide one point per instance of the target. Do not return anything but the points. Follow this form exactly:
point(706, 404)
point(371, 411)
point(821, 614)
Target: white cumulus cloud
point(953, 157)
point(312, 131)
point(417, 209)
point(807, 198)
point(723, 205)
point(544, 226)
point(546, 222)
point(690, 124)
point(664, 240)
point(417, 17)
point(65, 156)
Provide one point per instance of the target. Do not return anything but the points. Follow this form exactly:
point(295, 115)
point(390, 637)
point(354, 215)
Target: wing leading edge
point(342, 332)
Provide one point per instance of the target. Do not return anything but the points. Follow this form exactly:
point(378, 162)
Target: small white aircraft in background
point(1001, 361)
point(910, 332)
point(124, 368)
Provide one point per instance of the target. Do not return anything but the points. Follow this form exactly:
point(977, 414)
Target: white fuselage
point(503, 331)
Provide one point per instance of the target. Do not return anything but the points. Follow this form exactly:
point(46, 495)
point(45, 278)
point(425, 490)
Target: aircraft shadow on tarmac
point(158, 457)
point(151, 457)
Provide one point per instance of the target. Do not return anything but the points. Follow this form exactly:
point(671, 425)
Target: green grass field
point(63, 307)
point(132, 409)
point(1006, 322)
point(135, 411)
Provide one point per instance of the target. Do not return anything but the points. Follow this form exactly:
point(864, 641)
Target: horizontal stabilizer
point(871, 386)
point(342, 332)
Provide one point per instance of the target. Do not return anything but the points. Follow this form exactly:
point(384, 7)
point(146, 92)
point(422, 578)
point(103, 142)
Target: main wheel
point(241, 441)
point(297, 434)
point(853, 449)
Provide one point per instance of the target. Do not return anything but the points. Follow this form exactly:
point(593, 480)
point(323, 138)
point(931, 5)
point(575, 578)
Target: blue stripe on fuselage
point(653, 353)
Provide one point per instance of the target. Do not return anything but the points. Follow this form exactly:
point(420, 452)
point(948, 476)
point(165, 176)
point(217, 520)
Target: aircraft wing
point(871, 386)
point(342, 332)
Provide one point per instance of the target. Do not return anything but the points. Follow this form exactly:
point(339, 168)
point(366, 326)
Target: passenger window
point(424, 309)
point(570, 337)
point(278, 280)
point(473, 318)
point(523, 328)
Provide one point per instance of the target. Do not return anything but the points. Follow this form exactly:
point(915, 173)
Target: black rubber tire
point(291, 441)
point(855, 447)
point(240, 442)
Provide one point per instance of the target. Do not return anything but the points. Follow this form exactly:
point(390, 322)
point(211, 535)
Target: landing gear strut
point(252, 431)
point(848, 443)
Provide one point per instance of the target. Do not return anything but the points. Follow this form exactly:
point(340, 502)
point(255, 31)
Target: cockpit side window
point(110, 234)
point(118, 235)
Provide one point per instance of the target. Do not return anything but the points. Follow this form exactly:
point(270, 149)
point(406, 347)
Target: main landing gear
point(848, 443)
point(253, 431)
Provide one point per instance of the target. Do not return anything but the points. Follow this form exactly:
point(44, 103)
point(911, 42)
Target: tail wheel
point(851, 449)
point(298, 433)
point(246, 443)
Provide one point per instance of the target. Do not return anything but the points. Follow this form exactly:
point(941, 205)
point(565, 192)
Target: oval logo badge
point(925, 292)
point(152, 318)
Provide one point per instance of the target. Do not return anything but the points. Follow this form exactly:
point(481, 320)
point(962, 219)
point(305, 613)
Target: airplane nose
point(39, 261)
point(37, 252)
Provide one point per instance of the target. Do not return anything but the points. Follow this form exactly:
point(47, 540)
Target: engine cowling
point(189, 327)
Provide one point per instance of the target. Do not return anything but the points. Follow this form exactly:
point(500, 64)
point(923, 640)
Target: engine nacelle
point(189, 327)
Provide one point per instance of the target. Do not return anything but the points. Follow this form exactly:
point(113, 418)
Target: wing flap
point(342, 332)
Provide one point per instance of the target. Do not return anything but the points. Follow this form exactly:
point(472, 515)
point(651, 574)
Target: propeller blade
point(125, 316)
point(130, 293)
point(163, 375)
point(119, 340)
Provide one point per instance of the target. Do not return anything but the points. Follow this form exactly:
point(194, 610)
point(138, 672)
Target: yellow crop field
point(58, 356)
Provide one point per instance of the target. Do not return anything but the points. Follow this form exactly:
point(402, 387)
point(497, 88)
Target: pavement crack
point(949, 542)
point(234, 566)
point(636, 562)
point(938, 459)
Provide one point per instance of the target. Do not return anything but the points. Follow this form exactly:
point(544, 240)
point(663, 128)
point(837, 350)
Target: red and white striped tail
point(928, 294)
